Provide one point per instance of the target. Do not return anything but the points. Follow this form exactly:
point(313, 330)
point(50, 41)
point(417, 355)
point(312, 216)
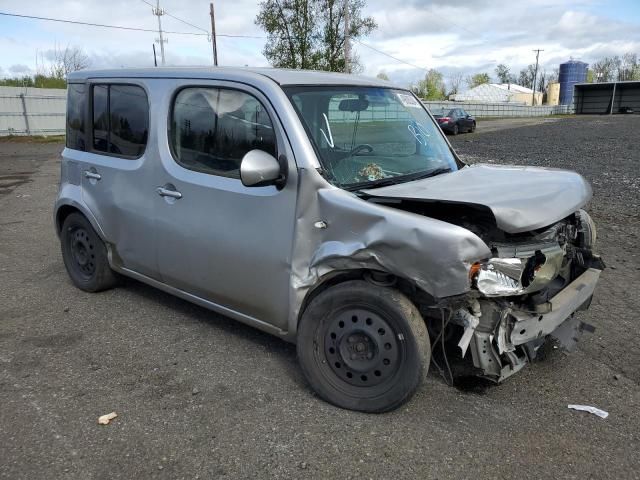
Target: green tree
point(383, 76)
point(25, 81)
point(504, 75)
point(309, 34)
point(478, 79)
point(432, 87)
point(526, 76)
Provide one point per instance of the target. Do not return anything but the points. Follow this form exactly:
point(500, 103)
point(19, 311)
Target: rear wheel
point(455, 130)
point(363, 347)
point(85, 255)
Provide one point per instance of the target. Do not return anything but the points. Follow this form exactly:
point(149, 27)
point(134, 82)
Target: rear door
point(218, 239)
point(467, 121)
point(116, 168)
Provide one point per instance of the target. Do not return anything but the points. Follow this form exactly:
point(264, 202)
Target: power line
point(389, 55)
point(149, 30)
point(177, 18)
point(119, 27)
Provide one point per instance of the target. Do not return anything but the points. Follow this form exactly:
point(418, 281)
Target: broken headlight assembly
point(519, 275)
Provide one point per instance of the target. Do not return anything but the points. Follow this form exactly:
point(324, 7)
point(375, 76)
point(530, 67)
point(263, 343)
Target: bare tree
point(66, 61)
point(455, 82)
point(542, 81)
point(605, 69)
point(629, 67)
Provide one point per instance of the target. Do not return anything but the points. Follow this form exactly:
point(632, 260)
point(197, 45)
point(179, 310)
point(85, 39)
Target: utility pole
point(535, 78)
point(159, 12)
point(214, 46)
point(347, 43)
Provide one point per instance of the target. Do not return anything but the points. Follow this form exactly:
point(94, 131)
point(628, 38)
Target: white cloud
point(20, 69)
point(465, 36)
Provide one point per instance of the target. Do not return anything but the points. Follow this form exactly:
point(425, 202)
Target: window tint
point(212, 129)
point(76, 110)
point(120, 119)
point(101, 118)
point(129, 114)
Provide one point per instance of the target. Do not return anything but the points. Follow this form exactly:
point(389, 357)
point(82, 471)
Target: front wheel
point(473, 127)
point(456, 130)
point(363, 347)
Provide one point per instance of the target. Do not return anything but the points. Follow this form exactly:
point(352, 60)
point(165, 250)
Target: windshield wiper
point(432, 173)
point(385, 182)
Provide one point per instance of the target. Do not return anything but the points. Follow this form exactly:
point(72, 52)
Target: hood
point(521, 198)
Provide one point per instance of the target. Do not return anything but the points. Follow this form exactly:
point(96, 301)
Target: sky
point(454, 37)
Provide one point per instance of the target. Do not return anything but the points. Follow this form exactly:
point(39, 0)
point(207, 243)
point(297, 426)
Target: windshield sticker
point(408, 100)
point(420, 133)
point(328, 139)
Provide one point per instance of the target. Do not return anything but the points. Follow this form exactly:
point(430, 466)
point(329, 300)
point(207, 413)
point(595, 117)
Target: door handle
point(92, 175)
point(165, 192)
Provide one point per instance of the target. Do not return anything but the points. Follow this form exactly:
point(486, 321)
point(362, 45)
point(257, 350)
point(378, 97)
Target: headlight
point(519, 275)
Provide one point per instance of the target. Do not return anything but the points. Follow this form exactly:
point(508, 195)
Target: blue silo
point(571, 72)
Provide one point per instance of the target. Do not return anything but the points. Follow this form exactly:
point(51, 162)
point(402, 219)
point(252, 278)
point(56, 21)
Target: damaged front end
point(529, 290)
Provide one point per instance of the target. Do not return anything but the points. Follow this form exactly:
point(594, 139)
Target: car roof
point(279, 75)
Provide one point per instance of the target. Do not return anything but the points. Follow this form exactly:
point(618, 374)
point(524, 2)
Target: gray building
point(608, 97)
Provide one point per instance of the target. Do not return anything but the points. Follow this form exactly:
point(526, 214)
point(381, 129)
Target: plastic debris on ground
point(590, 409)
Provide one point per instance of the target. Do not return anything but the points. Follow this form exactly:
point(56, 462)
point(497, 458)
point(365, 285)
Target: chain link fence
point(41, 111)
point(482, 109)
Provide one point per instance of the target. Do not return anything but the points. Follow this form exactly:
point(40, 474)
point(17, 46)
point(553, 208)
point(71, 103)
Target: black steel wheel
point(363, 347)
point(85, 255)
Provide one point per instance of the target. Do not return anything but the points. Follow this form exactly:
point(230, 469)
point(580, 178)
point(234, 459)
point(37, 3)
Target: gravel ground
point(200, 396)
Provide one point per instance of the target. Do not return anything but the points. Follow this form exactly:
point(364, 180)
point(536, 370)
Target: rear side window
point(76, 110)
point(212, 129)
point(120, 119)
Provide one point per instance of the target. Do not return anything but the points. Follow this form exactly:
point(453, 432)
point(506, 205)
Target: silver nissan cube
point(329, 210)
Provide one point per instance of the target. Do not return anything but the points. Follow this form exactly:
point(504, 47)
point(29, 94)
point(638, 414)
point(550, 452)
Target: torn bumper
point(530, 327)
point(507, 338)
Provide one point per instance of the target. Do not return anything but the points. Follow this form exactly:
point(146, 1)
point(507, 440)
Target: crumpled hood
point(521, 198)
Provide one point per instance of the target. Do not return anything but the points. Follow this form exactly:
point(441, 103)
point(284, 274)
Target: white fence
point(32, 111)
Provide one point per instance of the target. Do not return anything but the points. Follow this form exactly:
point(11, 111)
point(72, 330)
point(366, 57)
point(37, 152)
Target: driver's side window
point(213, 128)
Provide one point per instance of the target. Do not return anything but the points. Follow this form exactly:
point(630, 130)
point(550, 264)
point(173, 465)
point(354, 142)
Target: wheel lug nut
point(353, 356)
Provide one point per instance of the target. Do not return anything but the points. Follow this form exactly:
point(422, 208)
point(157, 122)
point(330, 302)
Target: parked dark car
point(625, 110)
point(455, 121)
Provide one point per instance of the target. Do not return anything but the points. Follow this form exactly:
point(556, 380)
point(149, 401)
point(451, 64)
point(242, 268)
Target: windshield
point(368, 136)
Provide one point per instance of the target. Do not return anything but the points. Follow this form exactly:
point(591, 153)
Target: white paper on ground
point(587, 408)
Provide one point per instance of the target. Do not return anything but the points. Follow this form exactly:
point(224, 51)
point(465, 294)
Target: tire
point(363, 347)
point(85, 255)
point(455, 130)
point(473, 127)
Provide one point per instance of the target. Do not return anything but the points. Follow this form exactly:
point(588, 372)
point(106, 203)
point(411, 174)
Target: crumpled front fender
point(336, 230)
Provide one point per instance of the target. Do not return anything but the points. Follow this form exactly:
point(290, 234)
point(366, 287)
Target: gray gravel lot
point(199, 396)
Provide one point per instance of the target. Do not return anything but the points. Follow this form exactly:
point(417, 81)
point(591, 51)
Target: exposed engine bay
point(528, 290)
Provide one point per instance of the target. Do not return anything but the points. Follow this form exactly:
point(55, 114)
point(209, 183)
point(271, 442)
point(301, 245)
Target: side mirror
point(258, 168)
